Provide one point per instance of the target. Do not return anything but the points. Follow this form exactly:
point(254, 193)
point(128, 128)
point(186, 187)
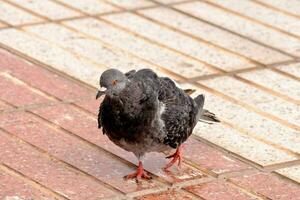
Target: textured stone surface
point(182, 43)
point(255, 97)
point(131, 4)
point(292, 6)
point(243, 26)
point(47, 8)
point(165, 58)
point(90, 6)
point(268, 16)
point(15, 16)
point(215, 35)
point(293, 69)
point(291, 172)
point(275, 81)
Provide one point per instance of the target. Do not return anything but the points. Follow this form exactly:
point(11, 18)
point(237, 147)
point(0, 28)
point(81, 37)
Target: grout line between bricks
point(9, 170)
point(230, 31)
point(250, 19)
point(250, 69)
point(65, 164)
point(260, 140)
point(266, 5)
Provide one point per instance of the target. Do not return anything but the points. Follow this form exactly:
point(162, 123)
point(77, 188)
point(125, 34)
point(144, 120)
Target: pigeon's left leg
point(140, 173)
point(177, 156)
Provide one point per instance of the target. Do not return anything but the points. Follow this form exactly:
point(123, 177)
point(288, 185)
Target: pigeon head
point(112, 82)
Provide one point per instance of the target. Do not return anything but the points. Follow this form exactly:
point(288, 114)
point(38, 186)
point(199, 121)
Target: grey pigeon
point(142, 113)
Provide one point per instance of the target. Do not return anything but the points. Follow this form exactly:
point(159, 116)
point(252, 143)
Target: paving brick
point(182, 43)
point(4, 106)
point(220, 190)
point(15, 119)
point(293, 69)
point(19, 94)
point(260, 99)
point(90, 106)
point(79, 154)
point(263, 14)
point(47, 8)
point(92, 7)
point(269, 185)
point(292, 6)
point(13, 187)
point(243, 26)
point(88, 47)
point(49, 173)
point(215, 35)
point(209, 158)
point(256, 125)
point(131, 4)
point(275, 81)
point(291, 172)
point(169, 195)
point(168, 59)
point(68, 118)
point(41, 78)
point(52, 55)
point(16, 16)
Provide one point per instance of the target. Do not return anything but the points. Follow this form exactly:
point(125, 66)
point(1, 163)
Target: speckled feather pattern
point(150, 114)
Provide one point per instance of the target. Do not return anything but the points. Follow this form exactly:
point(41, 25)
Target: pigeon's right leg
point(140, 173)
point(177, 156)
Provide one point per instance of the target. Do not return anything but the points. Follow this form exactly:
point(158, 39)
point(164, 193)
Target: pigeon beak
point(100, 92)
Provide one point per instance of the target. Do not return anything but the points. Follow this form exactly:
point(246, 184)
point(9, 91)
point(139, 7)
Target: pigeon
point(142, 112)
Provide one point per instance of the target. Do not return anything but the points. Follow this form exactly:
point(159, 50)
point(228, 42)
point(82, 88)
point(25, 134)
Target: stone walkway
point(243, 55)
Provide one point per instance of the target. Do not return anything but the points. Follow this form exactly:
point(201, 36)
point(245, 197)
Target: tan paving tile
point(168, 59)
point(275, 81)
point(131, 4)
point(276, 19)
point(255, 125)
point(15, 16)
point(293, 69)
point(47, 8)
point(90, 6)
point(215, 35)
point(257, 98)
point(51, 55)
point(182, 43)
point(290, 6)
point(243, 26)
point(88, 47)
point(291, 172)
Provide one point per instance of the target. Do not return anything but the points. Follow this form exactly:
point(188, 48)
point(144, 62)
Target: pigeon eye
point(114, 82)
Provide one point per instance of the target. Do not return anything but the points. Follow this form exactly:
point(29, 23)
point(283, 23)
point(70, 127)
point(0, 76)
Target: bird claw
point(139, 174)
point(177, 156)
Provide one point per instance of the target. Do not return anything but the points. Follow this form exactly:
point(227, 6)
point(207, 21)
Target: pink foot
point(177, 156)
point(140, 173)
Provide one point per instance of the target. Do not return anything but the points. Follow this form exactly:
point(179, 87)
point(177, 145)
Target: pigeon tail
point(205, 116)
point(209, 116)
point(200, 101)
